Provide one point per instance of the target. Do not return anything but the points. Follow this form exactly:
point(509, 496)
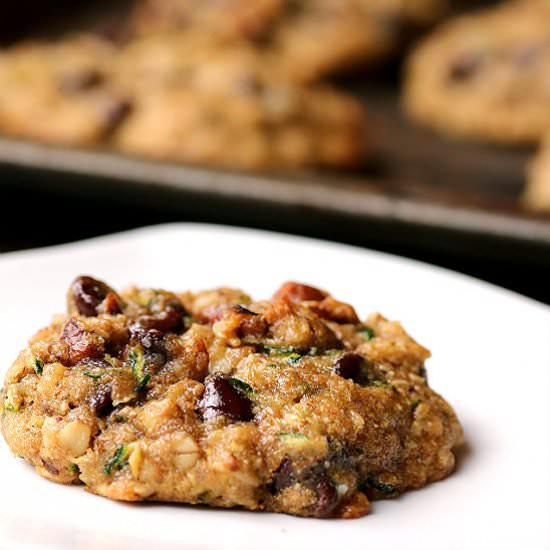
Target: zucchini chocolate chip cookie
point(285, 405)
point(485, 76)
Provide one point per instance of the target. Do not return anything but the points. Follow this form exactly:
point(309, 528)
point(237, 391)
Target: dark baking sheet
point(418, 186)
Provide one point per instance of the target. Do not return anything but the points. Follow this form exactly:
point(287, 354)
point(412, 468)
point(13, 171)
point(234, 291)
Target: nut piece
point(298, 292)
point(135, 458)
point(75, 437)
point(187, 451)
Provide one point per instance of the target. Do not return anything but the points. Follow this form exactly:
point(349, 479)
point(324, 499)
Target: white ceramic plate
point(491, 361)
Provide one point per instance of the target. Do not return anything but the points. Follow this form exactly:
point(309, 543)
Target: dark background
point(33, 217)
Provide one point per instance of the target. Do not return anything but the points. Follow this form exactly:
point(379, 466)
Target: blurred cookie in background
point(227, 18)
point(314, 38)
point(485, 76)
point(309, 39)
point(224, 105)
point(60, 92)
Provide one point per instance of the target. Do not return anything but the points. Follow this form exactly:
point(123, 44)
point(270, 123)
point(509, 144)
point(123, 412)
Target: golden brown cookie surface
point(288, 405)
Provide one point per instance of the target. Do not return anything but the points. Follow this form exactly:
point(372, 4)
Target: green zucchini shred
point(384, 488)
point(367, 333)
point(137, 363)
point(241, 386)
point(117, 461)
point(38, 366)
point(93, 375)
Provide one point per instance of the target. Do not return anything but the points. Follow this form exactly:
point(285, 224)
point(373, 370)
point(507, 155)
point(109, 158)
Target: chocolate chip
point(326, 497)
point(149, 338)
point(349, 365)
point(464, 67)
point(86, 294)
point(221, 398)
point(166, 321)
point(315, 478)
point(152, 341)
point(165, 316)
point(283, 476)
point(101, 401)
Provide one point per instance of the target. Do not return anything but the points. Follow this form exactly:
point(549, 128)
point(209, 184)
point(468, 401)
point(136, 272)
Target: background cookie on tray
point(485, 76)
point(308, 38)
point(223, 105)
point(60, 92)
point(228, 18)
point(314, 38)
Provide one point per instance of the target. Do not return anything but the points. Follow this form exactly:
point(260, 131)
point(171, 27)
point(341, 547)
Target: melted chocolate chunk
point(326, 497)
point(101, 401)
point(86, 295)
point(152, 341)
point(165, 316)
point(349, 365)
point(221, 398)
point(283, 476)
point(315, 478)
point(90, 297)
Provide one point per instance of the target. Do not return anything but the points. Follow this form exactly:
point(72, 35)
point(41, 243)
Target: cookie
point(225, 18)
point(60, 92)
point(485, 76)
point(214, 104)
point(315, 38)
point(537, 193)
point(308, 39)
point(284, 405)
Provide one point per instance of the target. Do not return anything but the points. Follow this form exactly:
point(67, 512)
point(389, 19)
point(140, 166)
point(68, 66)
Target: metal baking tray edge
point(344, 196)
